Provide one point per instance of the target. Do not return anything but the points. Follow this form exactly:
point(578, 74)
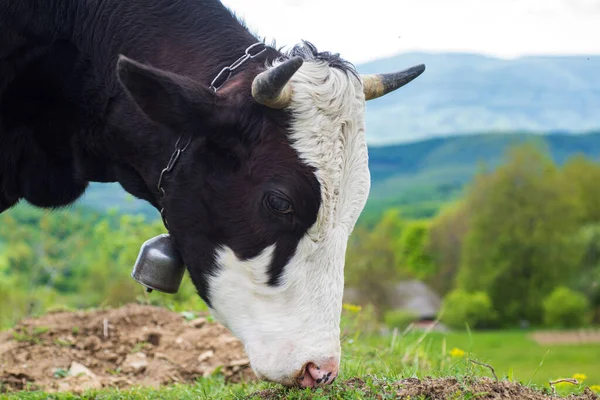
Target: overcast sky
point(377, 28)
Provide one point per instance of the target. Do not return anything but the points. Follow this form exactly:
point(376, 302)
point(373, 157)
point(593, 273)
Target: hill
point(418, 176)
point(422, 175)
point(469, 93)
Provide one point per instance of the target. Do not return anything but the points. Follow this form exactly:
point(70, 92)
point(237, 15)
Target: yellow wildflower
point(580, 377)
point(455, 352)
point(352, 307)
point(595, 388)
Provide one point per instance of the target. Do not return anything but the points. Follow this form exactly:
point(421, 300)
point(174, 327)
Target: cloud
point(583, 6)
point(377, 28)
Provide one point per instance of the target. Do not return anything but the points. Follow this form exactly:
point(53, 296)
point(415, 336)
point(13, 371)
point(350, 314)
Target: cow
point(255, 157)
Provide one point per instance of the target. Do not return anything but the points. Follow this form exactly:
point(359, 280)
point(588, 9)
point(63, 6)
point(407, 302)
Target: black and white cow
point(274, 174)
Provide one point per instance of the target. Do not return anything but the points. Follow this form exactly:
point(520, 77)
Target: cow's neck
point(195, 38)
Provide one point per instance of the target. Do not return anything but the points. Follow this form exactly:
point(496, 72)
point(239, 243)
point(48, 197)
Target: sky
point(371, 29)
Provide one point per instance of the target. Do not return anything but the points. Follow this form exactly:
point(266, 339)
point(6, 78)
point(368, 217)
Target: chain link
point(229, 70)
point(168, 168)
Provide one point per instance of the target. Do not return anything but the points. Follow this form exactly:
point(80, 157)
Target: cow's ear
point(165, 97)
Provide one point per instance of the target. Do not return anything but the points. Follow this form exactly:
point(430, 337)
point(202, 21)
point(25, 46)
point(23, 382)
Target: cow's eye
point(279, 204)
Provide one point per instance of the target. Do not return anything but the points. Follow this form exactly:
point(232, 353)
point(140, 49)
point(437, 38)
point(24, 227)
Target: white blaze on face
point(297, 322)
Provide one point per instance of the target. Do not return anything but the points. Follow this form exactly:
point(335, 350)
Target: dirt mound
point(567, 337)
point(130, 346)
point(432, 389)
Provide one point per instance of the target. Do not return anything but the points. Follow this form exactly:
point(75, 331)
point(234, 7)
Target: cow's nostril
point(305, 379)
point(313, 374)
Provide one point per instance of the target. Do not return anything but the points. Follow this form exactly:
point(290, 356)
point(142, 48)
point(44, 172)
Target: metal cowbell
point(159, 265)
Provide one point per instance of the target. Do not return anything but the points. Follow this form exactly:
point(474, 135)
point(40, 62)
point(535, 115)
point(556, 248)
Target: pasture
point(416, 363)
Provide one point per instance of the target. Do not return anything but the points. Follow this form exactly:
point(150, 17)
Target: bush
point(565, 308)
point(460, 307)
point(399, 318)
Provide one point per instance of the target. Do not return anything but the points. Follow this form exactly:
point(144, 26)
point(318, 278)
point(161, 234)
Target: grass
point(529, 362)
point(216, 388)
point(372, 364)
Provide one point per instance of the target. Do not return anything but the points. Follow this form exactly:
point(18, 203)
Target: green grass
point(217, 389)
point(382, 360)
point(515, 351)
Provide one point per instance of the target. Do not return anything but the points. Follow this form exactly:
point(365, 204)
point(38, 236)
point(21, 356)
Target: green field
point(514, 353)
point(378, 361)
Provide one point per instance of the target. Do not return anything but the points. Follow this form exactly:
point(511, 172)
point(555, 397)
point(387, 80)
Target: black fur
point(67, 120)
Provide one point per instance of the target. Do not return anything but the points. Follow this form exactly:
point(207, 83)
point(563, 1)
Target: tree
point(520, 245)
point(587, 281)
point(75, 258)
point(584, 176)
point(446, 237)
point(413, 250)
point(566, 308)
point(372, 262)
point(461, 309)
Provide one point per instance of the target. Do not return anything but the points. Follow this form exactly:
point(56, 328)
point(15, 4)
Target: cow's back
point(44, 109)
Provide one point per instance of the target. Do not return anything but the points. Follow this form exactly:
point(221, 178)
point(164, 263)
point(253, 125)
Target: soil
point(129, 346)
point(567, 337)
point(438, 389)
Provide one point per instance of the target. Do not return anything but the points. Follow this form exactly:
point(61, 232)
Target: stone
point(197, 323)
point(136, 362)
point(206, 355)
point(79, 369)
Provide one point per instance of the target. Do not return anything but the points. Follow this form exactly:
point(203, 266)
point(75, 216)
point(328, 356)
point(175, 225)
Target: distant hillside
point(467, 93)
point(424, 174)
point(417, 176)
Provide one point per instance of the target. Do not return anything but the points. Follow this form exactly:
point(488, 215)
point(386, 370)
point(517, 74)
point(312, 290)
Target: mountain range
point(471, 93)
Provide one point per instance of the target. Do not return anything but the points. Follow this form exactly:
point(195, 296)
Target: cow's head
point(263, 201)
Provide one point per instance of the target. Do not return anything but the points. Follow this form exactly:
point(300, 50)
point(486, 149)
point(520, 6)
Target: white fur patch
point(285, 327)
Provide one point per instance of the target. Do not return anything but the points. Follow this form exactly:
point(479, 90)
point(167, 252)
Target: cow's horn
point(271, 87)
point(378, 85)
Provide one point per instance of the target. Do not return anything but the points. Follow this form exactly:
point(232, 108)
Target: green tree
point(587, 281)
point(413, 249)
point(566, 308)
point(584, 176)
point(75, 258)
point(446, 236)
point(520, 245)
point(461, 308)
point(372, 262)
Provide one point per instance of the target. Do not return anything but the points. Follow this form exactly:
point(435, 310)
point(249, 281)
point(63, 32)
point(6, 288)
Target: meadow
point(515, 354)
